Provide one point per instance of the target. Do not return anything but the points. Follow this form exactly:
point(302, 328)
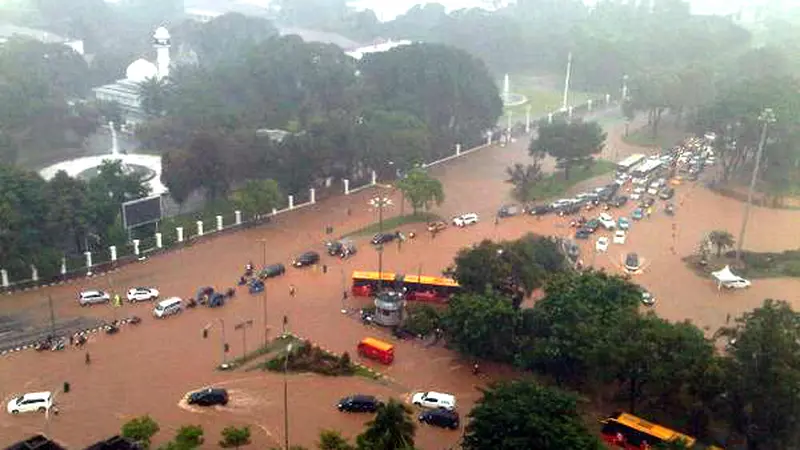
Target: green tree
point(523, 178)
point(763, 376)
point(69, 209)
point(421, 189)
point(152, 95)
point(333, 440)
point(225, 38)
point(482, 325)
point(570, 143)
point(189, 436)
point(721, 240)
point(391, 429)
point(178, 176)
point(208, 165)
point(523, 415)
point(141, 430)
point(233, 437)
point(258, 197)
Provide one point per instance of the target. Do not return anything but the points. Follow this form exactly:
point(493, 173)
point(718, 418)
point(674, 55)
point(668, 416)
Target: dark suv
point(306, 259)
point(440, 418)
point(383, 238)
point(272, 270)
point(358, 403)
point(209, 397)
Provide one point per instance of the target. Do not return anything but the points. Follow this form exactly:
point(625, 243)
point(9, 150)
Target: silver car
point(91, 297)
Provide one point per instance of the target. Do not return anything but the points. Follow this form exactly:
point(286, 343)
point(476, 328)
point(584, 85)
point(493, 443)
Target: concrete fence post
point(64, 265)
point(34, 273)
point(4, 277)
point(291, 202)
point(458, 149)
point(136, 243)
point(312, 193)
point(88, 256)
point(238, 216)
point(159, 241)
point(570, 111)
point(179, 232)
point(489, 138)
point(113, 250)
point(589, 105)
point(346, 186)
point(274, 211)
point(550, 118)
point(608, 99)
point(374, 178)
point(219, 223)
point(199, 227)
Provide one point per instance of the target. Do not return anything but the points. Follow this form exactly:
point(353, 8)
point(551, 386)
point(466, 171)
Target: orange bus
point(630, 432)
point(417, 287)
point(376, 349)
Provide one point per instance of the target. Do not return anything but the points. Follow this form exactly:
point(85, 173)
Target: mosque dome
point(140, 70)
point(161, 34)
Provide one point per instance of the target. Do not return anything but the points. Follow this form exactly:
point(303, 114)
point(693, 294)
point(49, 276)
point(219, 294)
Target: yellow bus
point(634, 433)
point(417, 287)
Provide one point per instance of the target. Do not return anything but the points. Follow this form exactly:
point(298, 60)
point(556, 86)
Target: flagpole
point(564, 103)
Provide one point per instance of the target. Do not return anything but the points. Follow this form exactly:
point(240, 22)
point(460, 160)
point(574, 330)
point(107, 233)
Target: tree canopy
point(421, 189)
point(570, 143)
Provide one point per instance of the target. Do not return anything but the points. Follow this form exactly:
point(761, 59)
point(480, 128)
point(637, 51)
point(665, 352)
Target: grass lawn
point(394, 222)
point(541, 99)
point(555, 185)
point(755, 265)
point(667, 137)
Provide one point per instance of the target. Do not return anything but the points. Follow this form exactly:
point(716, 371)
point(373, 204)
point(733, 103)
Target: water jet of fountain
point(506, 89)
point(114, 139)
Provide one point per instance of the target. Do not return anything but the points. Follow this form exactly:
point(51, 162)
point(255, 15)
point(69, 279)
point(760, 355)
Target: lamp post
point(286, 398)
point(380, 203)
point(766, 117)
point(264, 292)
point(625, 87)
point(243, 325)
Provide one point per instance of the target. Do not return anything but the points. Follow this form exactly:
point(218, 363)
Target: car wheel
point(42, 409)
point(15, 411)
point(418, 404)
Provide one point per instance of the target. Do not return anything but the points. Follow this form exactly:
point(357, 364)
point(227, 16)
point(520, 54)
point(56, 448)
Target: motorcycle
point(366, 317)
point(57, 345)
point(230, 292)
point(112, 329)
point(192, 303)
point(80, 340)
point(135, 320)
point(43, 345)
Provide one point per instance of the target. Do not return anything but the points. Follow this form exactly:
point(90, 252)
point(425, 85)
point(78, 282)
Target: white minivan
point(168, 307)
point(34, 401)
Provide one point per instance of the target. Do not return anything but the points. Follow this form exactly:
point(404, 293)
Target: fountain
point(510, 99)
point(148, 166)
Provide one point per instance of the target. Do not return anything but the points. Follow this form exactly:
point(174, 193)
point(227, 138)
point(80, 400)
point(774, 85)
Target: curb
point(85, 331)
point(376, 374)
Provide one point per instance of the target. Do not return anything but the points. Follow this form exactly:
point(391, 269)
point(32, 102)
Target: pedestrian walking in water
point(88, 359)
point(292, 290)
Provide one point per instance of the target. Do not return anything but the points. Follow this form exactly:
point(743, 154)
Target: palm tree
point(523, 177)
point(721, 239)
point(391, 429)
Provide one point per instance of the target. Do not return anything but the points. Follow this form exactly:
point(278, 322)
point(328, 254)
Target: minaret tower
point(161, 42)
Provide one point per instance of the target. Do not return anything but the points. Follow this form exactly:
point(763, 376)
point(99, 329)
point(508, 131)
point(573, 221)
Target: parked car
point(358, 403)
point(433, 400)
point(602, 244)
point(623, 223)
point(607, 221)
point(647, 202)
point(508, 211)
point(637, 214)
point(647, 298)
point(208, 397)
point(383, 238)
point(306, 259)
point(440, 418)
point(465, 219)
point(91, 297)
point(666, 194)
point(436, 226)
point(737, 284)
point(272, 270)
point(142, 294)
point(582, 233)
point(632, 262)
point(620, 236)
point(540, 210)
point(31, 402)
point(341, 248)
point(592, 225)
point(620, 201)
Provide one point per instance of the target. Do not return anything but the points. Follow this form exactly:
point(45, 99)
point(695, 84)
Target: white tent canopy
point(725, 275)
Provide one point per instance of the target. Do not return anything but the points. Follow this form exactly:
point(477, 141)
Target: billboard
point(142, 211)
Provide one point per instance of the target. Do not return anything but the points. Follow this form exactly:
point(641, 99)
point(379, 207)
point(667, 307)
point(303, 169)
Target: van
point(168, 307)
point(376, 349)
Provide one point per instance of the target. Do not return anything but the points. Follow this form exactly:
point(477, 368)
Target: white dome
point(140, 70)
point(161, 34)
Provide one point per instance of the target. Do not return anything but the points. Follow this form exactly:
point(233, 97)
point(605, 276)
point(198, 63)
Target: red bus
point(627, 431)
point(417, 287)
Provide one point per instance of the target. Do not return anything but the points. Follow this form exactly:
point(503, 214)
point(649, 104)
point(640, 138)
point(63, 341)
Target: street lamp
point(243, 325)
point(286, 398)
point(380, 203)
point(766, 117)
point(264, 292)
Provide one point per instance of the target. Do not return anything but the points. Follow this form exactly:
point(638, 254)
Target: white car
point(91, 297)
point(607, 221)
point(620, 236)
point(465, 219)
point(602, 244)
point(741, 283)
point(142, 294)
point(31, 402)
point(434, 400)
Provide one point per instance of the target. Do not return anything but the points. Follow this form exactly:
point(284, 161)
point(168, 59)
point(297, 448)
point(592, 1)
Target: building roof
point(8, 31)
point(377, 48)
point(140, 70)
point(37, 442)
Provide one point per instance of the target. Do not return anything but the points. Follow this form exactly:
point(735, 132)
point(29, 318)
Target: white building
point(377, 48)
point(125, 92)
point(8, 31)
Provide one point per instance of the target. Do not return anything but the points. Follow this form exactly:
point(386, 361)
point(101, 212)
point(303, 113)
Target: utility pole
point(565, 101)
point(766, 117)
point(52, 316)
point(264, 292)
point(286, 398)
point(243, 325)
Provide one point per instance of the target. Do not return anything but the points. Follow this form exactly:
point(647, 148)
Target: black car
point(272, 270)
point(666, 194)
point(306, 259)
point(632, 262)
point(582, 233)
point(620, 201)
point(208, 397)
point(508, 211)
point(592, 225)
point(358, 403)
point(341, 248)
point(441, 418)
point(540, 210)
point(383, 238)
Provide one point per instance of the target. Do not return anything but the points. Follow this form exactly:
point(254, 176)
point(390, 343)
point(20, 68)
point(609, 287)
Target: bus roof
point(631, 160)
point(380, 345)
point(435, 281)
point(385, 276)
point(663, 433)
point(648, 166)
